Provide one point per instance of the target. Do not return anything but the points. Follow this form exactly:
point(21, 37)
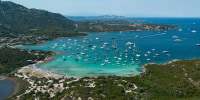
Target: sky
point(129, 8)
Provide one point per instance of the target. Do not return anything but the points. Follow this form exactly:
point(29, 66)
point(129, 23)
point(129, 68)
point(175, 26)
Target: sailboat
point(165, 51)
point(102, 64)
point(134, 45)
point(82, 53)
point(64, 45)
point(136, 36)
point(64, 58)
point(114, 45)
point(137, 55)
point(193, 31)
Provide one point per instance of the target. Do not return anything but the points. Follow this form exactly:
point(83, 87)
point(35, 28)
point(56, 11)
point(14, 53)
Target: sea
point(122, 53)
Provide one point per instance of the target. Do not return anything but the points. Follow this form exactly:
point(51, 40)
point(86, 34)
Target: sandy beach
point(33, 70)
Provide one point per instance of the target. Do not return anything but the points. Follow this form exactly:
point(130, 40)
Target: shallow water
point(122, 61)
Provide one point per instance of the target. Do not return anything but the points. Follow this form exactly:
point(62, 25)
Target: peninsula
point(120, 25)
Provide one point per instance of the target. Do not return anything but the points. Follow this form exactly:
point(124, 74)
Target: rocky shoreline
point(169, 62)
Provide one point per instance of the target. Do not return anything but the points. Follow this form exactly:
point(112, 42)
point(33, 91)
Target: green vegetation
point(11, 59)
point(105, 88)
point(177, 80)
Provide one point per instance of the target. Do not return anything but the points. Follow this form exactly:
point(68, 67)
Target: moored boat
point(165, 51)
point(193, 31)
point(197, 44)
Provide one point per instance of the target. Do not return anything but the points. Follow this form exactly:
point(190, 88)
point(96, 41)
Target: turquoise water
point(6, 88)
point(100, 59)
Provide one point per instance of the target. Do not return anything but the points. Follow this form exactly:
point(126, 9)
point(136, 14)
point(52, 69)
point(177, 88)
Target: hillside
point(19, 19)
point(31, 26)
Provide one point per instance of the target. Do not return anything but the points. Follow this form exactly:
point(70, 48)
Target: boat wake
point(153, 35)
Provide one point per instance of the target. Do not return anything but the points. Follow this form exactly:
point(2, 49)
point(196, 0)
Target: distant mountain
point(103, 16)
point(108, 16)
point(15, 18)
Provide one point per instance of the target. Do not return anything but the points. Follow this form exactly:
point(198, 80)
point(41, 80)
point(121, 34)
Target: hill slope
point(19, 19)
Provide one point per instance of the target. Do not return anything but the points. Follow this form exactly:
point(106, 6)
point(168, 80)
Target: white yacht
point(177, 40)
point(106, 43)
point(136, 36)
point(157, 54)
point(175, 37)
point(165, 51)
point(193, 31)
point(148, 52)
point(102, 64)
point(148, 59)
point(82, 53)
point(137, 55)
